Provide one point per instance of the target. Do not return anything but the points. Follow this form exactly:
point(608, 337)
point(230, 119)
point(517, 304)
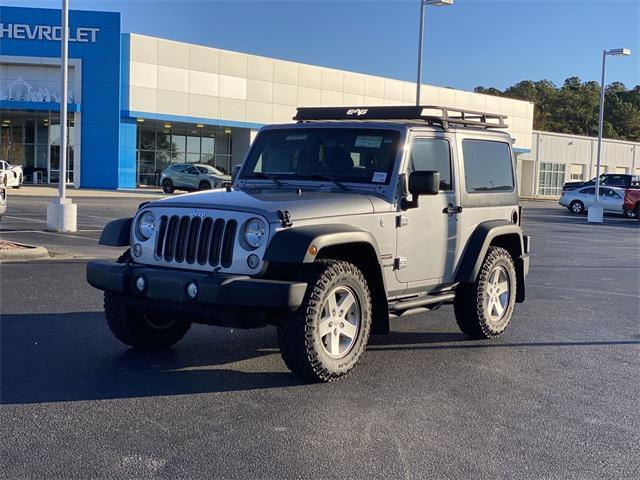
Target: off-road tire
point(134, 329)
point(576, 207)
point(300, 344)
point(469, 302)
point(167, 186)
point(204, 185)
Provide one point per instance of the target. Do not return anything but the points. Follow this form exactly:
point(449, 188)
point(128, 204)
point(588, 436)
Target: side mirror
point(421, 182)
point(234, 172)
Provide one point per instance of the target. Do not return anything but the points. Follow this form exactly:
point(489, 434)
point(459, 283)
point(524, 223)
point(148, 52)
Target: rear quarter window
point(487, 166)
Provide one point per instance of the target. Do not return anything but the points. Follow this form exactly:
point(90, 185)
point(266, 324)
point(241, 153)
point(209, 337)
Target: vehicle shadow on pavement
point(454, 341)
point(568, 219)
point(73, 357)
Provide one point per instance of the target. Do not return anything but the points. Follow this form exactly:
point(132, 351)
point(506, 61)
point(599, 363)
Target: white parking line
point(57, 234)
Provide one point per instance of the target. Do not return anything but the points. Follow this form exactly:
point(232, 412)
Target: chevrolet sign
point(21, 31)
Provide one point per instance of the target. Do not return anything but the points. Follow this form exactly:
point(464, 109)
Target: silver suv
point(331, 224)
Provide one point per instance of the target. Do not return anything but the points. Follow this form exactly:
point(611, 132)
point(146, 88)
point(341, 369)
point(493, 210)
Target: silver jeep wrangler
point(332, 224)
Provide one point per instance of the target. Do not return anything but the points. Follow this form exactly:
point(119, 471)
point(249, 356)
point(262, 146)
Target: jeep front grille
point(186, 239)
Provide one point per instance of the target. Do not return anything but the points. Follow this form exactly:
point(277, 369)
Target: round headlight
point(255, 232)
point(146, 225)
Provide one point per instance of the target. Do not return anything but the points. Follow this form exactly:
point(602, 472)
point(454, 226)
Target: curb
point(29, 252)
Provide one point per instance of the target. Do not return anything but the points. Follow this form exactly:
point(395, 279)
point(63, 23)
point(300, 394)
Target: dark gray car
point(192, 176)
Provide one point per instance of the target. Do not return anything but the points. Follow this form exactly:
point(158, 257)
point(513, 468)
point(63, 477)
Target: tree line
point(574, 107)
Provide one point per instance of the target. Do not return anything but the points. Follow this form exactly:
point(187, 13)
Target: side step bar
point(422, 301)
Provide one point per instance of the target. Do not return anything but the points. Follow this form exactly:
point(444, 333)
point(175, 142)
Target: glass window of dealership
point(160, 144)
point(32, 139)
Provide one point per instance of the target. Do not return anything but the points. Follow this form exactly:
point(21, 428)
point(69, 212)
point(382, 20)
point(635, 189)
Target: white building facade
point(556, 158)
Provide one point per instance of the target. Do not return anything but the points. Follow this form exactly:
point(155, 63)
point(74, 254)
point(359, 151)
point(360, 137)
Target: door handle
point(452, 209)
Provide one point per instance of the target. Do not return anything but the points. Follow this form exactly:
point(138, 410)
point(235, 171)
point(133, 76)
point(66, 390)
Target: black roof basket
point(431, 114)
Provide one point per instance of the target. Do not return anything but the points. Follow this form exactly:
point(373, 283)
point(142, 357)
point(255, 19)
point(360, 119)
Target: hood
point(267, 202)
point(217, 177)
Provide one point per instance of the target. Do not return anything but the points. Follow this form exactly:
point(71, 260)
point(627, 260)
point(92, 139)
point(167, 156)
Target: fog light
point(253, 261)
point(140, 284)
point(137, 250)
point(192, 290)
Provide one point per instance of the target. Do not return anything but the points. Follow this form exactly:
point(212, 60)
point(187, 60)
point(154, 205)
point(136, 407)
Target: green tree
point(574, 107)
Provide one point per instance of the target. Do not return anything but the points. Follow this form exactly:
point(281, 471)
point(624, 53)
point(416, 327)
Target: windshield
point(208, 169)
point(344, 154)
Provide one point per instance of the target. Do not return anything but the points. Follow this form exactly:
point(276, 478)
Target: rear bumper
point(216, 293)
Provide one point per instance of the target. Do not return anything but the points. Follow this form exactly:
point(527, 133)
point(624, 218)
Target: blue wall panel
point(101, 154)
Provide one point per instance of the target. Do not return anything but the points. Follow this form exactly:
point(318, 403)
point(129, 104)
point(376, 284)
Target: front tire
point(576, 207)
point(204, 185)
point(326, 337)
point(138, 330)
point(484, 308)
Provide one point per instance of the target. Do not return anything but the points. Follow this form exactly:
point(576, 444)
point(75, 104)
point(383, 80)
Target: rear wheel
point(326, 337)
point(630, 213)
point(576, 207)
point(167, 186)
point(483, 308)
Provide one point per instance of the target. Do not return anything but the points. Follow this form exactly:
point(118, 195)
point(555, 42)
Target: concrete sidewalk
point(52, 191)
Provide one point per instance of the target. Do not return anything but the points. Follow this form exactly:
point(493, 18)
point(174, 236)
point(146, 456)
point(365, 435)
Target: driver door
point(427, 235)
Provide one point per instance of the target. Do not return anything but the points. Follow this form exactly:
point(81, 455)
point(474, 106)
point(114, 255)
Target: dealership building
point(138, 104)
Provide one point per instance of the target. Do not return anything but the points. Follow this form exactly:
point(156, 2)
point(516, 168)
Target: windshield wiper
point(318, 176)
point(266, 176)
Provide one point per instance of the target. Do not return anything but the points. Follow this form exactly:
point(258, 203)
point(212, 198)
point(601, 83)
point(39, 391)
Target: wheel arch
point(495, 233)
point(340, 242)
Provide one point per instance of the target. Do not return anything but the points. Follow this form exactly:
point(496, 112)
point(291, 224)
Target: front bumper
point(218, 295)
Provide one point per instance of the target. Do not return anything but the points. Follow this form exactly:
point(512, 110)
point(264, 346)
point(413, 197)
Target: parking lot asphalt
point(557, 396)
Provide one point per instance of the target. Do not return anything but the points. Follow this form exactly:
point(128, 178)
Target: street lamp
point(61, 212)
point(596, 212)
point(423, 3)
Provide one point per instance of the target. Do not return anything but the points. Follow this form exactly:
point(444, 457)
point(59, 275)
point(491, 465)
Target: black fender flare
point(498, 232)
point(292, 245)
point(117, 233)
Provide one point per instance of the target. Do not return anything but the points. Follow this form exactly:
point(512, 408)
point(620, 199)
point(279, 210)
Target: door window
point(487, 166)
point(588, 191)
point(432, 154)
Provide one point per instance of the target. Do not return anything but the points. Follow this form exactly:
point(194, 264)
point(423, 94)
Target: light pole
point(423, 3)
point(61, 212)
point(596, 212)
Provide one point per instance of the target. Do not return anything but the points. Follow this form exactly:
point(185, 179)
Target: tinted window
point(588, 191)
point(614, 180)
point(487, 166)
point(432, 154)
point(607, 192)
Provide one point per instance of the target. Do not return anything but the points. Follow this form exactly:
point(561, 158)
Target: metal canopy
point(431, 114)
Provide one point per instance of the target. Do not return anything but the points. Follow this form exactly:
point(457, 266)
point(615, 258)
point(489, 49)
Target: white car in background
point(578, 201)
point(11, 175)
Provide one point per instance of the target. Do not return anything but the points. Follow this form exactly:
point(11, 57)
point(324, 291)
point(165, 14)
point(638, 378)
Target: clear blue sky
point(475, 42)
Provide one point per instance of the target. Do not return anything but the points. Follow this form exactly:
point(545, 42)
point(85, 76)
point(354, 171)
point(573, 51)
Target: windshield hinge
point(402, 221)
point(285, 218)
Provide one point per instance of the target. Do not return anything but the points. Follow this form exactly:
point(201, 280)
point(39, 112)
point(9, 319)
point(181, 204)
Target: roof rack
point(431, 114)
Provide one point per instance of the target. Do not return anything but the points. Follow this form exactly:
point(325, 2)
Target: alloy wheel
point(496, 298)
point(339, 322)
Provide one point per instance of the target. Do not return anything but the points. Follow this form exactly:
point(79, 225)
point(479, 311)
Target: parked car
point(11, 175)
point(620, 180)
point(631, 204)
point(192, 176)
point(579, 201)
point(331, 225)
